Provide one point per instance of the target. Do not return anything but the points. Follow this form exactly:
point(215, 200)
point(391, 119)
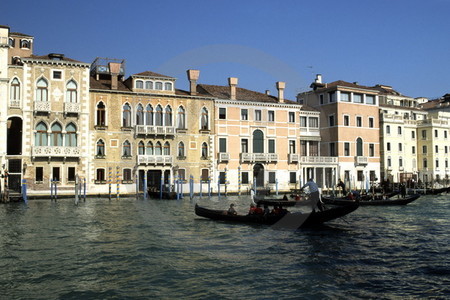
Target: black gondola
point(388, 201)
point(305, 220)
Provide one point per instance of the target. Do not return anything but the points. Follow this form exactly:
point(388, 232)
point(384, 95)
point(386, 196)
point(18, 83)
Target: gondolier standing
point(313, 193)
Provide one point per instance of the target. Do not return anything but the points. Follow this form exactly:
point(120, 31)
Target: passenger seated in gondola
point(259, 210)
point(231, 210)
point(252, 209)
point(276, 210)
point(350, 196)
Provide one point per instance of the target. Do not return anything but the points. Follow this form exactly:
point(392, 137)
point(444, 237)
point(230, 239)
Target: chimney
point(280, 87)
point(267, 92)
point(114, 70)
point(232, 81)
point(318, 78)
point(193, 77)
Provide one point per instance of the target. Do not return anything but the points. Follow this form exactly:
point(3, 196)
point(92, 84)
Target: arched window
point(140, 115)
point(204, 150)
point(71, 135)
point(25, 44)
point(204, 119)
point(359, 147)
point(71, 91)
point(258, 141)
point(149, 115)
point(56, 135)
point(181, 118)
point(181, 149)
point(126, 115)
point(15, 90)
point(149, 148)
point(168, 86)
point(168, 116)
point(149, 85)
point(12, 42)
point(126, 148)
point(42, 90)
point(141, 149)
point(425, 163)
point(41, 135)
point(139, 84)
point(158, 86)
point(166, 148)
point(101, 114)
point(158, 149)
point(100, 148)
point(159, 116)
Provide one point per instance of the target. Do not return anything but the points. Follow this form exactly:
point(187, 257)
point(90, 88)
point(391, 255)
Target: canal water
point(141, 249)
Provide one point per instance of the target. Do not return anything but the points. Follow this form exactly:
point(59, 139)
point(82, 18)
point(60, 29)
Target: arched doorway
point(14, 136)
point(258, 173)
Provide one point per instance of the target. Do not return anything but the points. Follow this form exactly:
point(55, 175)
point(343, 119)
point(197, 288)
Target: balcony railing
point(224, 156)
point(56, 151)
point(259, 157)
point(155, 159)
point(155, 130)
point(318, 159)
point(14, 103)
point(293, 158)
point(42, 106)
point(361, 160)
point(72, 108)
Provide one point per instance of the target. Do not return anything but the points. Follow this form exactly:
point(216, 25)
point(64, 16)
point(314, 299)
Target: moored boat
point(289, 219)
point(388, 201)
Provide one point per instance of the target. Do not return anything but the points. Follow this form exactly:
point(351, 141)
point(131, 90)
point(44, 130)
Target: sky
point(401, 43)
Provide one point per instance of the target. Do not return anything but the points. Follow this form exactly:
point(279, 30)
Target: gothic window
point(71, 91)
point(42, 90)
point(141, 148)
point(15, 89)
point(166, 148)
point(204, 122)
point(204, 150)
point(140, 115)
point(126, 149)
point(159, 116)
point(149, 148)
point(126, 115)
point(41, 135)
point(100, 148)
point(181, 118)
point(168, 116)
point(101, 116)
point(56, 135)
point(71, 135)
point(181, 149)
point(158, 149)
point(149, 115)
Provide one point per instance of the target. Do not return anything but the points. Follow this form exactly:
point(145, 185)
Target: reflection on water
point(131, 248)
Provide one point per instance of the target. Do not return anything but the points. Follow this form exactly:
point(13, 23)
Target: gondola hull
point(390, 201)
point(315, 218)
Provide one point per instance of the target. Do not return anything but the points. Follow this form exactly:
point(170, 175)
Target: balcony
point(155, 130)
point(56, 151)
point(224, 156)
point(72, 108)
point(42, 106)
point(293, 158)
point(318, 160)
point(155, 159)
point(259, 157)
point(361, 160)
point(14, 103)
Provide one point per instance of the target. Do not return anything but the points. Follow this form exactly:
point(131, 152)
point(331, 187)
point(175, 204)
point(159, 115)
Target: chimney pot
point(267, 92)
point(280, 87)
point(193, 76)
point(114, 70)
point(233, 81)
point(318, 78)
